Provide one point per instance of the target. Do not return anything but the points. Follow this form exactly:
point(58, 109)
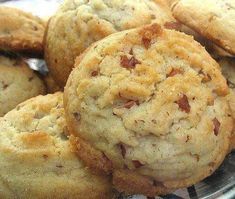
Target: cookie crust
point(143, 101)
point(17, 83)
point(37, 159)
point(214, 19)
point(21, 32)
point(76, 25)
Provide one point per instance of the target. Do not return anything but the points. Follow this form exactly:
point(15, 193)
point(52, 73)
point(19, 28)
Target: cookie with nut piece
point(228, 70)
point(17, 83)
point(77, 24)
point(213, 19)
point(21, 31)
point(37, 159)
point(149, 106)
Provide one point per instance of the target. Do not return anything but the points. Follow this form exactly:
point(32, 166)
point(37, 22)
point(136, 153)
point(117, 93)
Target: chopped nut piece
point(184, 104)
point(128, 63)
point(146, 41)
point(150, 33)
point(94, 73)
point(174, 72)
point(216, 126)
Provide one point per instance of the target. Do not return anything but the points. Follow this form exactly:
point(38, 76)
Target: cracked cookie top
point(154, 102)
point(37, 160)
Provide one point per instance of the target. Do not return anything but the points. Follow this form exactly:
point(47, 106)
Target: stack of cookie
point(145, 109)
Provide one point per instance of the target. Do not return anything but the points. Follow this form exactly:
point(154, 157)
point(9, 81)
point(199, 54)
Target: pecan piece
point(174, 71)
point(129, 63)
point(146, 42)
point(94, 73)
point(184, 104)
point(150, 33)
point(216, 126)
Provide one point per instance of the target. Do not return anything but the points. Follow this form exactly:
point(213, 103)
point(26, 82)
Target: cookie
point(77, 24)
point(21, 31)
point(149, 106)
point(37, 159)
point(17, 83)
point(213, 19)
point(228, 70)
point(214, 50)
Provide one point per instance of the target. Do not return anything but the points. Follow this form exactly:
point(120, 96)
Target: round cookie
point(37, 160)
point(228, 70)
point(17, 83)
point(77, 24)
point(21, 31)
point(213, 19)
point(149, 106)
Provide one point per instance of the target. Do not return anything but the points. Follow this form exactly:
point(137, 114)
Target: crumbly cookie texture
point(213, 19)
point(228, 70)
point(150, 105)
point(21, 31)
point(17, 83)
point(37, 160)
point(77, 24)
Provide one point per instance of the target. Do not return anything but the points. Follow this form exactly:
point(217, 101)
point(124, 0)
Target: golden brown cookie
point(228, 70)
point(37, 160)
point(149, 106)
point(214, 50)
point(17, 83)
point(214, 19)
point(21, 31)
point(77, 24)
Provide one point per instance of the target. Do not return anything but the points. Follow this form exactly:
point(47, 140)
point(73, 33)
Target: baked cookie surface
point(17, 83)
point(37, 160)
point(228, 70)
point(77, 24)
point(21, 31)
point(149, 106)
point(214, 19)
